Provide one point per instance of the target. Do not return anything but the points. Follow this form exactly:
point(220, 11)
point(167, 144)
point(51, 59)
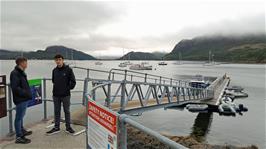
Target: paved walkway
point(41, 141)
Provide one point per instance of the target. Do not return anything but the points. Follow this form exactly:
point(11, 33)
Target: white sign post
point(102, 127)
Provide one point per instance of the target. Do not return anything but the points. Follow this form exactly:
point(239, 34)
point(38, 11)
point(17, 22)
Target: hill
point(48, 53)
point(248, 48)
point(142, 56)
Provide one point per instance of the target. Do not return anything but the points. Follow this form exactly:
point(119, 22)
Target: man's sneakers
point(22, 140)
point(26, 133)
point(53, 131)
point(57, 130)
point(70, 130)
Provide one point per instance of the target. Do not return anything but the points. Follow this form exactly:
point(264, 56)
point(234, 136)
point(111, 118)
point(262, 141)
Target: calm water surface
point(212, 128)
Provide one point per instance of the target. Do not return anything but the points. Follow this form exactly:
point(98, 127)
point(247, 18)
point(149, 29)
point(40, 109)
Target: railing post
point(188, 92)
point(10, 111)
point(145, 79)
point(197, 93)
point(123, 92)
point(122, 133)
point(183, 92)
point(88, 73)
point(85, 89)
point(113, 77)
point(93, 94)
point(108, 102)
point(44, 100)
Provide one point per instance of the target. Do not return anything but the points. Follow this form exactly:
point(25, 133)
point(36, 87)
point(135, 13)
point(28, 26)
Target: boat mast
point(179, 57)
point(210, 52)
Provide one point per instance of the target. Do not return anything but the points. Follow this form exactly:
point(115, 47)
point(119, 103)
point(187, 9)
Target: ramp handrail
point(129, 73)
point(125, 119)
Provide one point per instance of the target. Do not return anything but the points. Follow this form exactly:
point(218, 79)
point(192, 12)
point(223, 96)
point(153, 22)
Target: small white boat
point(122, 65)
point(128, 63)
point(98, 63)
point(144, 63)
point(227, 106)
point(140, 67)
point(197, 107)
point(198, 84)
point(162, 63)
point(236, 88)
point(236, 93)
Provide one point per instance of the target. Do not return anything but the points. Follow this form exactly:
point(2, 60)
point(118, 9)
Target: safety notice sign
point(102, 127)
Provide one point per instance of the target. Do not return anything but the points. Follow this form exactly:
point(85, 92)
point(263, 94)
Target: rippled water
point(212, 128)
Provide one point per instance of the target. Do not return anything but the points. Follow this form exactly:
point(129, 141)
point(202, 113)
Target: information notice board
point(36, 92)
point(3, 108)
point(102, 127)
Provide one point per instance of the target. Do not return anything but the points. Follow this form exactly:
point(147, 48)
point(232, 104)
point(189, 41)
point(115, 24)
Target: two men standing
point(63, 80)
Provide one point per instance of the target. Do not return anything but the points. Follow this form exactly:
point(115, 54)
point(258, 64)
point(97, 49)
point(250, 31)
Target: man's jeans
point(57, 110)
point(20, 113)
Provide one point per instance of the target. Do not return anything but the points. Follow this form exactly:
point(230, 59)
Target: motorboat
point(197, 107)
point(227, 106)
point(98, 63)
point(198, 84)
point(140, 67)
point(235, 88)
point(162, 63)
point(236, 94)
point(128, 63)
point(122, 65)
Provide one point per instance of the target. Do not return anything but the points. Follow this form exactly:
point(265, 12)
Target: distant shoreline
point(191, 61)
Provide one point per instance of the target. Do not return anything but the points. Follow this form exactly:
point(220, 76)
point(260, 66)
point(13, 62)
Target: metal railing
point(125, 119)
point(168, 87)
point(12, 108)
point(179, 88)
point(130, 75)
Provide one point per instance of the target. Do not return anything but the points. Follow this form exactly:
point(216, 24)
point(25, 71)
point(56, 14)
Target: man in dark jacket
point(63, 80)
point(21, 95)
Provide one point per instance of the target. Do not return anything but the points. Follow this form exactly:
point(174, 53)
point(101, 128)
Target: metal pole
point(88, 73)
point(108, 102)
point(85, 88)
point(93, 92)
point(123, 92)
point(10, 111)
point(87, 126)
point(44, 100)
point(172, 144)
point(188, 92)
point(123, 133)
point(145, 79)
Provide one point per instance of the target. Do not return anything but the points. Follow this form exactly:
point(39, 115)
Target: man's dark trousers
point(57, 110)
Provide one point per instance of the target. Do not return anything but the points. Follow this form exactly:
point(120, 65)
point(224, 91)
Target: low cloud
point(36, 25)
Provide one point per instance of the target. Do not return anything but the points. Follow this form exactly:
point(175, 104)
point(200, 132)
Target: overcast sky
point(104, 28)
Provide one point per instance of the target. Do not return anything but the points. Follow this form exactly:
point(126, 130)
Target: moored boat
point(140, 67)
point(162, 63)
point(98, 63)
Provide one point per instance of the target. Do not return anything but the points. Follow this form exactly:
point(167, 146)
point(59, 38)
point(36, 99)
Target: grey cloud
point(33, 24)
point(36, 25)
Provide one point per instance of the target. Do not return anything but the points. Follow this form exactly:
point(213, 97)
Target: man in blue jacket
point(21, 95)
point(63, 80)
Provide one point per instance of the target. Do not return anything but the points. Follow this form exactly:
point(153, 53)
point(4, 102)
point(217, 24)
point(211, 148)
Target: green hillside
point(247, 49)
point(48, 53)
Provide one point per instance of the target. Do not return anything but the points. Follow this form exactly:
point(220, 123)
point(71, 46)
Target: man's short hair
point(58, 56)
point(20, 60)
